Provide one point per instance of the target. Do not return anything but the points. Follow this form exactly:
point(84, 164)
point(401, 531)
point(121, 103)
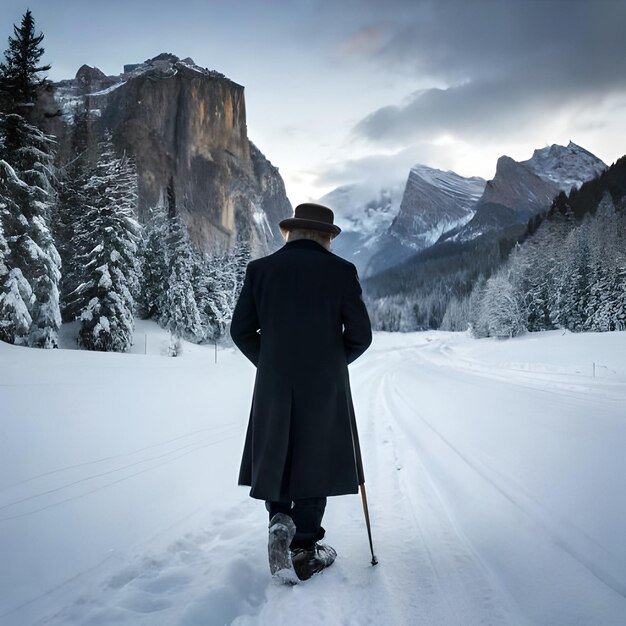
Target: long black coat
point(300, 319)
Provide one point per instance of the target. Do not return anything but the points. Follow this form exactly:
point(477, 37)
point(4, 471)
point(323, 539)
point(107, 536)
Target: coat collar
point(307, 244)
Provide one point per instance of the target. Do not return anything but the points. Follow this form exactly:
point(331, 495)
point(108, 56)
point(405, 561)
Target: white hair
point(306, 233)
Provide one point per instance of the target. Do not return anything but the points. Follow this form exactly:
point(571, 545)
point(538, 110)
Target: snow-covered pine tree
point(502, 311)
point(27, 178)
point(577, 277)
point(223, 278)
point(478, 326)
point(180, 313)
point(72, 234)
point(107, 319)
point(32, 257)
point(606, 257)
point(209, 300)
point(124, 196)
point(4, 251)
point(456, 317)
point(15, 293)
point(154, 263)
point(620, 300)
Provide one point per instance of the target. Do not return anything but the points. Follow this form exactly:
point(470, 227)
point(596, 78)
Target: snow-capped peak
point(166, 64)
point(440, 178)
point(567, 166)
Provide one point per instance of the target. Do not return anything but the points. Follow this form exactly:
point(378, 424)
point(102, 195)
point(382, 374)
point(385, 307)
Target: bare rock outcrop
point(184, 124)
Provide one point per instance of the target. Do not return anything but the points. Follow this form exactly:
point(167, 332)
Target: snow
point(567, 166)
point(104, 92)
point(451, 182)
point(260, 219)
point(494, 476)
point(365, 208)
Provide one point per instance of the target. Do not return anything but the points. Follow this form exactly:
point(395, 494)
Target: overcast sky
point(340, 91)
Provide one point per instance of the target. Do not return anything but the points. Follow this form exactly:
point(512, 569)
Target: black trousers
point(306, 514)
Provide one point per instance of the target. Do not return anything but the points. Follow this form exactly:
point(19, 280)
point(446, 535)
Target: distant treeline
point(566, 269)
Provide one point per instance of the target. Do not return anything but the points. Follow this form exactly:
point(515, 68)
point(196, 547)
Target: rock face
point(90, 79)
point(438, 206)
point(398, 222)
point(186, 124)
point(273, 205)
point(522, 189)
point(566, 166)
point(434, 202)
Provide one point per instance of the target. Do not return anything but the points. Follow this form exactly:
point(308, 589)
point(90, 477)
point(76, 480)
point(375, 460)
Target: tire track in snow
point(113, 456)
point(115, 482)
point(393, 590)
point(84, 479)
point(440, 579)
point(522, 501)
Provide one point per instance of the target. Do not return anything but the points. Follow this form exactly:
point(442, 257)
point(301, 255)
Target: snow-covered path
point(494, 474)
point(526, 465)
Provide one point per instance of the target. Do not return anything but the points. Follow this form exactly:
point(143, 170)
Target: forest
point(565, 269)
point(71, 245)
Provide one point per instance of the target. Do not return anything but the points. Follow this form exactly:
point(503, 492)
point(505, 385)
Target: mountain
point(522, 189)
point(364, 215)
point(567, 166)
point(185, 124)
point(385, 228)
point(438, 281)
point(434, 201)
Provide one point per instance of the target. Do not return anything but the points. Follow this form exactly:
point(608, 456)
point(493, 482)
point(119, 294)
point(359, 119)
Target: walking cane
point(367, 521)
point(359, 464)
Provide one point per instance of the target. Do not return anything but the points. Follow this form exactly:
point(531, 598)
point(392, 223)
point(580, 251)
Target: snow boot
point(281, 532)
point(309, 561)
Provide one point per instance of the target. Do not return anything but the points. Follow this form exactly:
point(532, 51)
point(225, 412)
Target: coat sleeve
point(244, 326)
point(357, 330)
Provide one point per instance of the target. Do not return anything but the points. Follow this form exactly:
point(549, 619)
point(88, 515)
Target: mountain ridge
point(184, 124)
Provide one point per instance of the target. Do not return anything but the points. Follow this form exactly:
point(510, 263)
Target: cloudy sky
point(341, 91)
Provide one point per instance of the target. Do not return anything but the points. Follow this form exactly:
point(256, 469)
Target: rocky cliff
point(185, 124)
point(434, 201)
point(398, 221)
point(438, 206)
point(521, 189)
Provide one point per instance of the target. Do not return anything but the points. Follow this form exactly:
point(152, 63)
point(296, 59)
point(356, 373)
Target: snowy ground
point(495, 474)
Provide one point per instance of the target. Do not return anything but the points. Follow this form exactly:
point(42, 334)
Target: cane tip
point(374, 560)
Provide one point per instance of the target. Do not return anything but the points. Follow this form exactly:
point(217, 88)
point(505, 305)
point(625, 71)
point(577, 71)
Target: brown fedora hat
point(312, 216)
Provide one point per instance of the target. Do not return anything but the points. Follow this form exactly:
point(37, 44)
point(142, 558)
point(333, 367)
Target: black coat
point(300, 319)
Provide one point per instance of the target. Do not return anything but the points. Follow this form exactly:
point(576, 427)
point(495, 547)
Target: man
point(301, 320)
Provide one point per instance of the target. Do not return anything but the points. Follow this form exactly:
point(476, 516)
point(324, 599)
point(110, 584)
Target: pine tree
point(478, 326)
point(15, 294)
point(32, 257)
point(209, 300)
point(502, 311)
point(71, 233)
point(580, 278)
point(219, 288)
point(18, 73)
point(107, 319)
point(606, 257)
point(456, 317)
point(154, 264)
point(180, 313)
point(26, 184)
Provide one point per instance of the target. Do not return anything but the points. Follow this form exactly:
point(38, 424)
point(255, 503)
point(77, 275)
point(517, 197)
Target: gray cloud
point(380, 169)
point(476, 110)
point(505, 64)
